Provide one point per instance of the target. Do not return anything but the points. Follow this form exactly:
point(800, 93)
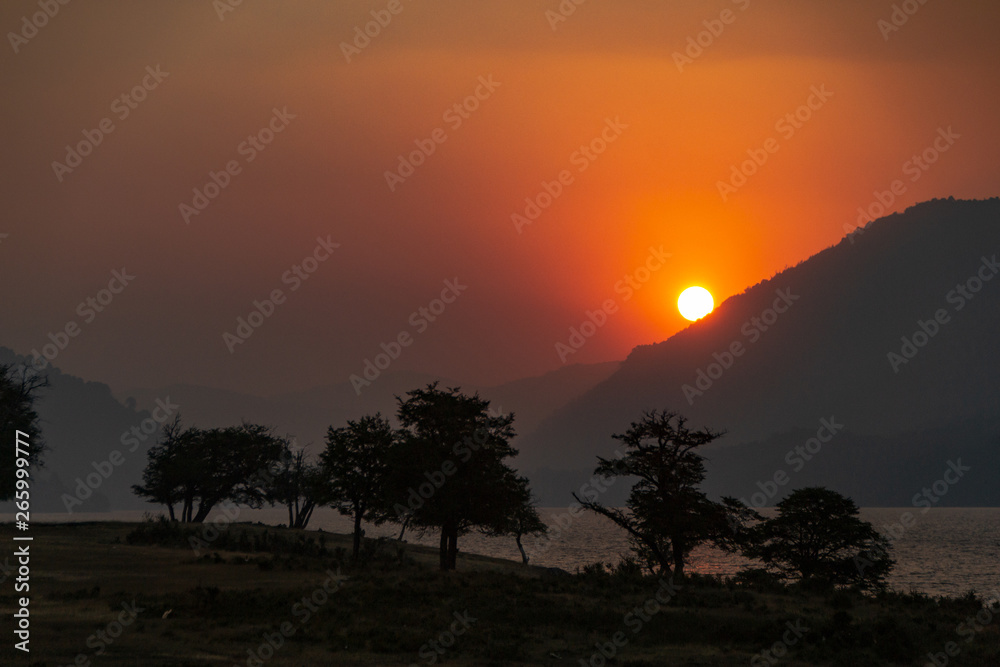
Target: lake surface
point(946, 551)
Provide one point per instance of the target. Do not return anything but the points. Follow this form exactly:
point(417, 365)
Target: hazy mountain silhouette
point(306, 414)
point(826, 356)
point(82, 424)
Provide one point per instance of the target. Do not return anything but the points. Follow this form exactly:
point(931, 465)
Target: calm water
point(948, 551)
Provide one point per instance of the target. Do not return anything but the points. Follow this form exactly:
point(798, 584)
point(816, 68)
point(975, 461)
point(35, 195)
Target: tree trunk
point(357, 534)
point(443, 554)
point(203, 509)
point(678, 549)
point(170, 508)
point(406, 522)
point(524, 556)
point(305, 513)
point(453, 548)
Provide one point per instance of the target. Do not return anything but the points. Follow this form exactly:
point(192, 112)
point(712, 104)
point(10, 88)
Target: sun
point(695, 303)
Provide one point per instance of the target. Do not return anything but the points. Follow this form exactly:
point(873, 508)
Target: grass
point(223, 602)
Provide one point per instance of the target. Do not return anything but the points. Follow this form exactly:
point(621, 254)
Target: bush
point(628, 567)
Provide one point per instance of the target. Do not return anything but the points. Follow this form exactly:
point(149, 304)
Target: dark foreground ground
point(138, 594)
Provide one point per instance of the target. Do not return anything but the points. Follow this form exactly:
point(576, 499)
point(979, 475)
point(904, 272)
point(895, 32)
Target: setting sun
point(695, 303)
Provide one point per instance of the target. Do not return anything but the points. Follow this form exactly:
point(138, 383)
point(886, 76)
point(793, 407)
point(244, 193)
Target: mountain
point(891, 333)
point(872, 367)
point(303, 414)
point(82, 425)
point(306, 414)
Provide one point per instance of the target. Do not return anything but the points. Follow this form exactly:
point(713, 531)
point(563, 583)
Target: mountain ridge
point(826, 355)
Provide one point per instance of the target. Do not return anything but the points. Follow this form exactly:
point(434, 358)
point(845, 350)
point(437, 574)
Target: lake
point(947, 551)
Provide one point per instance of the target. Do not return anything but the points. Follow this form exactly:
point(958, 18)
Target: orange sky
point(656, 184)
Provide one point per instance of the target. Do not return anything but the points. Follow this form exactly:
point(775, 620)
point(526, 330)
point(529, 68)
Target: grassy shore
point(220, 606)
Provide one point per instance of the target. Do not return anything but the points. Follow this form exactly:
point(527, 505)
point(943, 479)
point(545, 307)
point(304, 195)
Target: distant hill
point(306, 414)
point(827, 355)
point(768, 377)
point(82, 424)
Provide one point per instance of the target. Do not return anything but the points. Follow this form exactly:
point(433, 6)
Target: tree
point(667, 515)
point(297, 484)
point(817, 536)
point(355, 463)
point(18, 392)
point(522, 517)
point(207, 467)
point(448, 467)
point(163, 477)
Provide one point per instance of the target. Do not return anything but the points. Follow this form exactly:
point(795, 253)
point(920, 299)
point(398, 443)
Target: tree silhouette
point(163, 477)
point(817, 536)
point(355, 463)
point(298, 485)
point(207, 467)
point(18, 392)
point(521, 516)
point(448, 469)
point(667, 514)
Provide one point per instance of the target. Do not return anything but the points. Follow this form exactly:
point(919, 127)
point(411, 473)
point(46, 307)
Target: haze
point(319, 188)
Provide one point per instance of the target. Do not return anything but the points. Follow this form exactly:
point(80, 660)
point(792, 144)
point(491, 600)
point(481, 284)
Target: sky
point(514, 168)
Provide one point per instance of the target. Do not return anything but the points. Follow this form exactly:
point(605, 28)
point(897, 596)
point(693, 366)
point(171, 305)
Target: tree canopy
point(667, 514)
point(298, 484)
point(818, 536)
point(199, 468)
point(355, 465)
point(18, 392)
point(448, 467)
